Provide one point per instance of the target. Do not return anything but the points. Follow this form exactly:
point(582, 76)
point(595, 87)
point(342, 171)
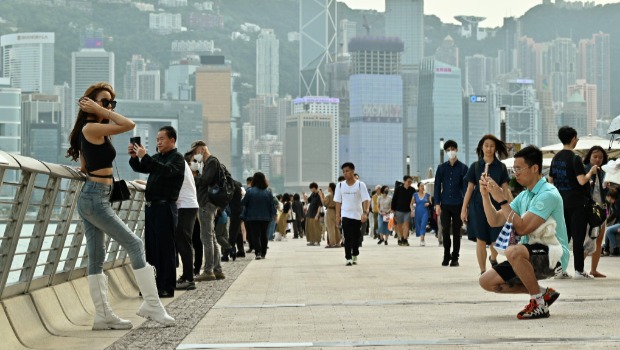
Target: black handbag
point(595, 213)
point(120, 191)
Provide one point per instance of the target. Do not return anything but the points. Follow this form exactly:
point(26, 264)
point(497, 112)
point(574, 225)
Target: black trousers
point(198, 249)
point(451, 221)
point(160, 225)
point(234, 231)
point(352, 236)
point(576, 225)
point(183, 240)
point(257, 230)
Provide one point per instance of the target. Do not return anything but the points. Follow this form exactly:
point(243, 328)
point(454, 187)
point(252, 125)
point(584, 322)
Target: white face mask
point(198, 157)
point(194, 166)
point(451, 154)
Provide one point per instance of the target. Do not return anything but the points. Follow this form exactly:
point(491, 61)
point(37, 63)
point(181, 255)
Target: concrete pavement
point(397, 297)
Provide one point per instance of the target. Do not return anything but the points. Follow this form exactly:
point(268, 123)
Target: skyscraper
point(177, 78)
point(148, 85)
point(512, 32)
point(560, 65)
point(317, 45)
point(588, 93)
point(267, 63)
point(347, 30)
point(10, 120)
point(89, 66)
point(376, 104)
point(573, 113)
point(41, 127)
point(480, 71)
point(213, 89)
point(595, 68)
point(28, 59)
point(405, 19)
point(440, 111)
point(523, 122)
point(448, 52)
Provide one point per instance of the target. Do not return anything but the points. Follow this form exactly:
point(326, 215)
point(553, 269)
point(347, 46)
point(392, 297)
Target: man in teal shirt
point(528, 261)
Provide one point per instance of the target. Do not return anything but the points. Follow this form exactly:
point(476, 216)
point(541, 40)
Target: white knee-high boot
point(151, 307)
point(104, 317)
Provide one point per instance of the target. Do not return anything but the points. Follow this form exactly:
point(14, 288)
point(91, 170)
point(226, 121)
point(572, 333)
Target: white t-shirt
point(187, 196)
point(351, 198)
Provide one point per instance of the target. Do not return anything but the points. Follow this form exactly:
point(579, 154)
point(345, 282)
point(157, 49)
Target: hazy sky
point(493, 10)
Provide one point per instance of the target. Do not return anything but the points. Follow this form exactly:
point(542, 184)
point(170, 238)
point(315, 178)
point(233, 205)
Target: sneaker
point(380, 241)
point(185, 285)
point(422, 243)
point(258, 257)
point(445, 262)
point(533, 310)
point(355, 260)
point(349, 263)
point(455, 262)
point(582, 276)
point(400, 242)
point(219, 275)
point(550, 296)
point(406, 242)
point(385, 242)
point(562, 275)
point(205, 277)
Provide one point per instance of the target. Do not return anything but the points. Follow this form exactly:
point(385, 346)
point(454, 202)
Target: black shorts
point(539, 258)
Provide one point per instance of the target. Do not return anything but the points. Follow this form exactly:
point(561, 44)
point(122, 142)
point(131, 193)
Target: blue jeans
point(98, 217)
point(271, 230)
point(610, 234)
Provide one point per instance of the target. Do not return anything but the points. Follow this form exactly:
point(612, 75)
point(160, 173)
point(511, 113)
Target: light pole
point(408, 160)
point(502, 123)
point(441, 150)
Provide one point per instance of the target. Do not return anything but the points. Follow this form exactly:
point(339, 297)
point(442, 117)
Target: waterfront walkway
point(396, 298)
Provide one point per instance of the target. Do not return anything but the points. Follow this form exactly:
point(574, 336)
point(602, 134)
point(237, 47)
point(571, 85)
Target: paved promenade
point(398, 297)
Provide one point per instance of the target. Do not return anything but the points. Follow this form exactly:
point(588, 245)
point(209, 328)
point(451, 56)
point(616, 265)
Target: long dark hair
point(74, 138)
point(586, 159)
point(500, 147)
point(259, 180)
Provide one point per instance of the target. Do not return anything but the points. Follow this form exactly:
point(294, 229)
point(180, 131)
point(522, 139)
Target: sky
point(493, 10)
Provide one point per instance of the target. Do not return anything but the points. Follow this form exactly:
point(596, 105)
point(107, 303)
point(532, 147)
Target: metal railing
point(41, 234)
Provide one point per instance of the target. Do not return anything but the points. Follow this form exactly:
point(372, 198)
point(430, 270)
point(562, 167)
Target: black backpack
point(222, 191)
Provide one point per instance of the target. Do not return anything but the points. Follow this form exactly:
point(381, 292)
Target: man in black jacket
point(165, 169)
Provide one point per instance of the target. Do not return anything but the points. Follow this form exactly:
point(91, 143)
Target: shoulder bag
point(120, 191)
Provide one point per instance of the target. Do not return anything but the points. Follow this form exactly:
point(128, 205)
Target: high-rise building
point(267, 63)
point(376, 103)
point(28, 59)
point(574, 113)
point(64, 97)
point(318, 44)
point(523, 122)
point(448, 52)
point(311, 149)
point(41, 127)
point(213, 90)
point(440, 111)
point(405, 19)
point(347, 30)
point(477, 119)
point(89, 66)
point(148, 85)
point(10, 117)
point(338, 87)
point(527, 57)
point(137, 64)
point(512, 32)
point(560, 65)
point(177, 78)
point(595, 68)
point(480, 71)
point(589, 95)
point(262, 112)
point(549, 128)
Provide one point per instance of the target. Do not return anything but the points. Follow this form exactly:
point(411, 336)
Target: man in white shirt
point(187, 205)
point(352, 206)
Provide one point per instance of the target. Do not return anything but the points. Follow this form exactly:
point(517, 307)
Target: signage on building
point(443, 70)
point(477, 99)
point(381, 110)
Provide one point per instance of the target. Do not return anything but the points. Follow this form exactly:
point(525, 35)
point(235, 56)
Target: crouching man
point(537, 216)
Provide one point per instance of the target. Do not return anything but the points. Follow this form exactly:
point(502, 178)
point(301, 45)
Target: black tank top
point(97, 156)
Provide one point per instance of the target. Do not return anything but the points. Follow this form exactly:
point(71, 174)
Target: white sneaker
point(422, 243)
point(582, 275)
point(562, 276)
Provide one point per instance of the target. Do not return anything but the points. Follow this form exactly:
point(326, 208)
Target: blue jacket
point(258, 205)
point(450, 183)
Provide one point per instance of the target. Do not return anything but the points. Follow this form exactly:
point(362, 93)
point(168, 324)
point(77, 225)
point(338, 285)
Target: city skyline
point(447, 9)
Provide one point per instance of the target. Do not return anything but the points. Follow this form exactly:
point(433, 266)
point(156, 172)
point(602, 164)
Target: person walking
point(90, 144)
point(597, 157)
point(402, 207)
point(384, 203)
point(258, 212)
point(569, 176)
point(449, 193)
point(333, 232)
point(488, 150)
point(421, 213)
point(352, 209)
point(313, 224)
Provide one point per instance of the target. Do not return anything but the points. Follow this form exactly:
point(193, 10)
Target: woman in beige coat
point(333, 233)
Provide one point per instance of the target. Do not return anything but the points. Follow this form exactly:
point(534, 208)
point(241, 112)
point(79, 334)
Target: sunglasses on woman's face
point(105, 103)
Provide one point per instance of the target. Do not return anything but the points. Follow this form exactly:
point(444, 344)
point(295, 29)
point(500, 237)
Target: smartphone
point(135, 140)
point(486, 169)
